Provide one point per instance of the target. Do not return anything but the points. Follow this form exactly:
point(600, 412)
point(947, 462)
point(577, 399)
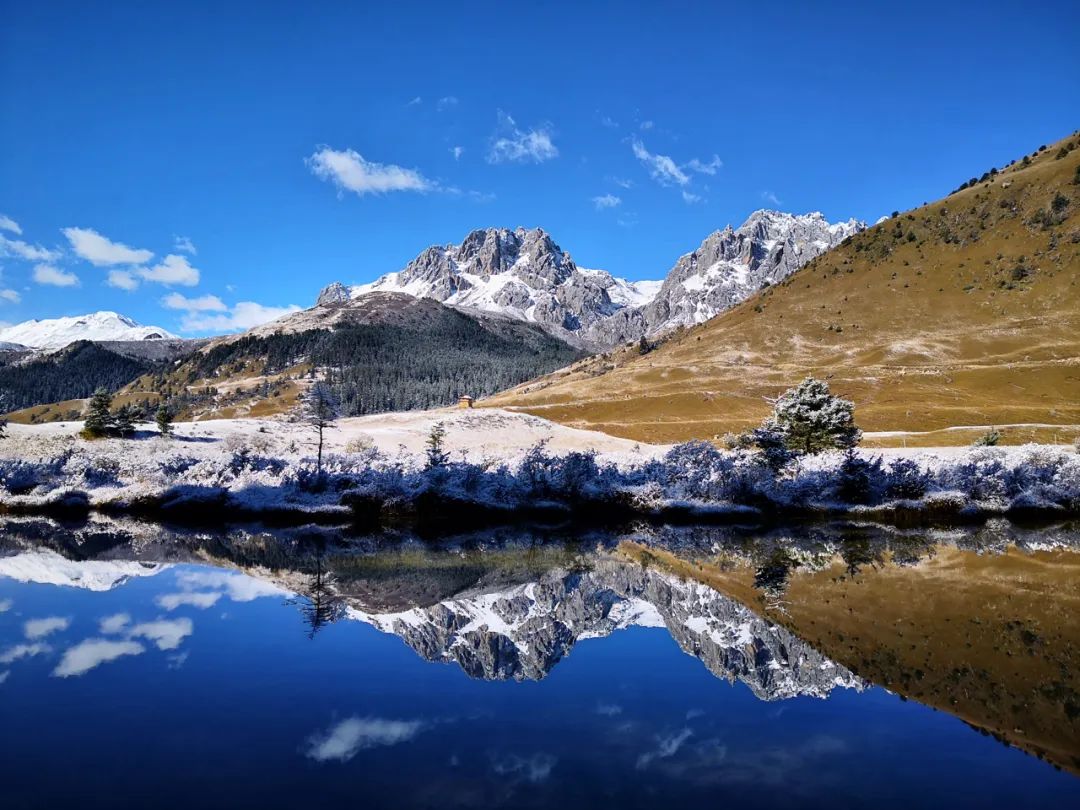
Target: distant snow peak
point(55, 333)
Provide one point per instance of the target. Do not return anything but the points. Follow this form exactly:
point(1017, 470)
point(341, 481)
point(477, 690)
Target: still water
point(838, 666)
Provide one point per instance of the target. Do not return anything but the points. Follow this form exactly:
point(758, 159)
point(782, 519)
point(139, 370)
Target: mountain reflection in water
point(977, 623)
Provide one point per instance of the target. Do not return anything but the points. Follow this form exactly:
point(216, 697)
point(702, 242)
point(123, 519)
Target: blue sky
point(193, 164)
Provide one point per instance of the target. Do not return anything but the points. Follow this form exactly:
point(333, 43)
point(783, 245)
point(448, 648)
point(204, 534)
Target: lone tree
point(99, 420)
point(436, 454)
point(320, 411)
point(164, 419)
point(813, 420)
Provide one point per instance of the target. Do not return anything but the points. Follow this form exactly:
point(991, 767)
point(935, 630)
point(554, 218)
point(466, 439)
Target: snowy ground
point(509, 462)
point(487, 433)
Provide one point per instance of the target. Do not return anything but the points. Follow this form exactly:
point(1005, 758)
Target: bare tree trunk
point(318, 464)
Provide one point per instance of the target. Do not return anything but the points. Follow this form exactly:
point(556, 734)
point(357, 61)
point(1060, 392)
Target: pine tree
point(320, 411)
point(814, 420)
point(124, 421)
point(436, 455)
point(164, 419)
point(99, 419)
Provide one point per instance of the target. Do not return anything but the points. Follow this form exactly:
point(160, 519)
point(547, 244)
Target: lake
point(814, 666)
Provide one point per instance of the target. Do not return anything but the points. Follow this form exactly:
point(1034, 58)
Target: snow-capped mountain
point(55, 333)
point(522, 274)
point(727, 268)
point(522, 632)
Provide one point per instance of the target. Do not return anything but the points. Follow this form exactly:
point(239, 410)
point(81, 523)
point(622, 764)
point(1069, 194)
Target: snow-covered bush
point(905, 479)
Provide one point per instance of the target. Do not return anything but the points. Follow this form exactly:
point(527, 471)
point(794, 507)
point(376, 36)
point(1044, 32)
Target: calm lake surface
point(834, 666)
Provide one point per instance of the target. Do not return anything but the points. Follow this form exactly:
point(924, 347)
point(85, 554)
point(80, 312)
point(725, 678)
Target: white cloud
point(122, 280)
point(606, 201)
point(645, 125)
point(238, 587)
point(4, 676)
point(54, 276)
point(204, 303)
point(184, 245)
point(415, 101)
point(446, 103)
point(102, 252)
point(198, 599)
point(10, 296)
point(5, 605)
point(93, 652)
point(244, 315)
point(20, 651)
point(341, 742)
point(349, 171)
point(173, 269)
point(666, 747)
point(689, 198)
point(40, 628)
point(662, 168)
point(8, 224)
point(609, 709)
point(608, 121)
point(457, 152)
point(622, 182)
point(710, 168)
point(511, 144)
point(21, 250)
point(165, 633)
point(115, 623)
point(771, 198)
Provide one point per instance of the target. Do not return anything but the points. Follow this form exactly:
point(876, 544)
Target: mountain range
point(524, 274)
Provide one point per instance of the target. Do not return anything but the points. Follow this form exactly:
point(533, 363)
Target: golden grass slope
point(962, 312)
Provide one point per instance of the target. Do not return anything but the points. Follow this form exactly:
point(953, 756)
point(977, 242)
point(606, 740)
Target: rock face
point(726, 269)
point(524, 274)
point(521, 633)
point(521, 274)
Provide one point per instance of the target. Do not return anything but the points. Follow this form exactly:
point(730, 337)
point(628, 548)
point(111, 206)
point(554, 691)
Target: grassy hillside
point(962, 312)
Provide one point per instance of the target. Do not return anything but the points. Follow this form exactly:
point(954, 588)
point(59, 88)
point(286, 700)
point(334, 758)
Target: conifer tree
point(99, 419)
point(124, 421)
point(814, 420)
point(320, 411)
point(164, 419)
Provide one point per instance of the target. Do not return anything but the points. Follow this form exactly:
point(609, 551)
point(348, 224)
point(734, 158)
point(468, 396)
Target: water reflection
point(978, 623)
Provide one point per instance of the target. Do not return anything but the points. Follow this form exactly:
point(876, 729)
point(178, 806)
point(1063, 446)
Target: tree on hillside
point(99, 419)
point(3, 422)
point(164, 418)
point(813, 420)
point(320, 409)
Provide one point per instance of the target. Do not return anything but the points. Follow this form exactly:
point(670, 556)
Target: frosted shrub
point(859, 480)
point(694, 471)
point(906, 480)
point(360, 443)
